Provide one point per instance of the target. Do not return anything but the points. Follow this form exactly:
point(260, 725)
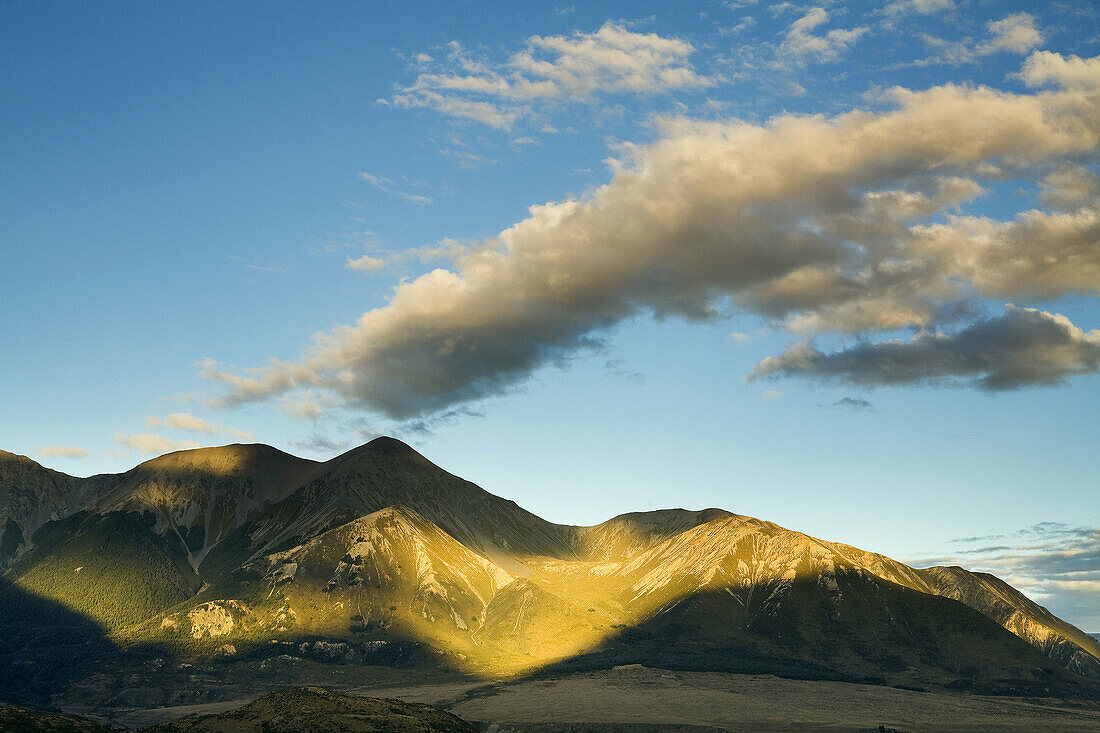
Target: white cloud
point(154, 443)
point(63, 451)
point(1071, 72)
point(1015, 33)
point(801, 41)
point(551, 69)
point(818, 224)
point(918, 7)
point(366, 263)
point(187, 421)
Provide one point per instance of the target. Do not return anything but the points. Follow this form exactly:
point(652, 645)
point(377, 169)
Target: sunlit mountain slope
point(243, 549)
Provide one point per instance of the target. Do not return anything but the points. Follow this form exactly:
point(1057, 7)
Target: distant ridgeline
point(380, 557)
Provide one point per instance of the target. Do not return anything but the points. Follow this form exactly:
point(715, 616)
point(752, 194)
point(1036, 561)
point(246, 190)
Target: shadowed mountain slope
point(1061, 641)
point(204, 494)
point(628, 534)
point(31, 495)
point(386, 472)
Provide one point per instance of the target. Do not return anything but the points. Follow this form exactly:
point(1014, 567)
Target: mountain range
point(379, 556)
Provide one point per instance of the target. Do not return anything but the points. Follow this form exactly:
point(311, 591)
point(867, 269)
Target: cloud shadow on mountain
point(871, 632)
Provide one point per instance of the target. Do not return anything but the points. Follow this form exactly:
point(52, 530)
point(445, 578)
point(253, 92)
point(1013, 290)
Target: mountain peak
point(631, 532)
point(222, 460)
point(382, 448)
point(7, 457)
point(385, 444)
point(677, 516)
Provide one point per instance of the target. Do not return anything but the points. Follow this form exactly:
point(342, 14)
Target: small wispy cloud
point(427, 426)
point(366, 263)
point(918, 7)
point(154, 443)
point(1016, 33)
point(1055, 563)
point(390, 186)
point(320, 443)
point(550, 70)
point(192, 423)
point(63, 451)
point(258, 265)
point(852, 403)
point(615, 368)
point(803, 43)
point(307, 404)
point(181, 397)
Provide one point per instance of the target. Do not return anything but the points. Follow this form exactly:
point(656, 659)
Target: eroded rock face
point(328, 651)
point(210, 619)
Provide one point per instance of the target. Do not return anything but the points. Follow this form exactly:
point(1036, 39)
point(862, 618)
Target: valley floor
point(638, 698)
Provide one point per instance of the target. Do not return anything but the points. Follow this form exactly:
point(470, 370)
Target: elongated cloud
point(63, 451)
point(842, 224)
point(187, 421)
point(919, 7)
point(388, 185)
point(366, 263)
point(154, 443)
point(551, 69)
point(1023, 347)
point(1071, 72)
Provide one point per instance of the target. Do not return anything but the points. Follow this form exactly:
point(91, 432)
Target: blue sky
point(834, 265)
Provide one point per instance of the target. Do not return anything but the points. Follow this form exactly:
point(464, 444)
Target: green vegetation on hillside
point(113, 569)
